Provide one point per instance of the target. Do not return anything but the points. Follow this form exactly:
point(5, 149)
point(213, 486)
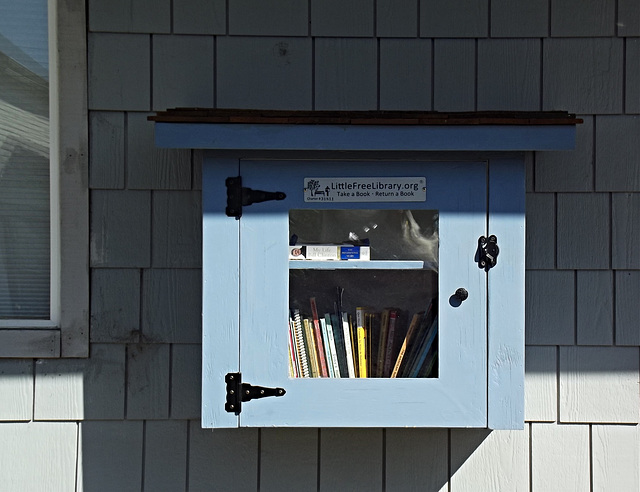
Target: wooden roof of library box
point(413, 118)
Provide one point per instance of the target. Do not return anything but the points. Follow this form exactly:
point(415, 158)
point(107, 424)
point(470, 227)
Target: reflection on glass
point(363, 293)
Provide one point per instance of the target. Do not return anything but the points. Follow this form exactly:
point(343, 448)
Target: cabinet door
point(453, 213)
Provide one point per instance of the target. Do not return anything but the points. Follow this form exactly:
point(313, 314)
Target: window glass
point(24, 161)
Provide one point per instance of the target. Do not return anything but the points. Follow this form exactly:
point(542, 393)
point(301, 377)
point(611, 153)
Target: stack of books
point(368, 343)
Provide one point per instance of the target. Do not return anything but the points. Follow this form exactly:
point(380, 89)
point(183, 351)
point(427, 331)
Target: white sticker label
point(410, 189)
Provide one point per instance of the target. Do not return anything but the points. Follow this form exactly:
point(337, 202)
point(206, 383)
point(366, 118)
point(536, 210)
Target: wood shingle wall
point(127, 417)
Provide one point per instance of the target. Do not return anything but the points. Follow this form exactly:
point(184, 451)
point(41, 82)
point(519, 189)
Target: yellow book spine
point(361, 334)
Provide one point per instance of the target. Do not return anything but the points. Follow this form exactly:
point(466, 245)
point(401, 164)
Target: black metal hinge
point(237, 392)
point(238, 197)
point(488, 252)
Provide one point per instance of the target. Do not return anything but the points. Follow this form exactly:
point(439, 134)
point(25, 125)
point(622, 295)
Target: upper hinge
point(238, 197)
point(237, 392)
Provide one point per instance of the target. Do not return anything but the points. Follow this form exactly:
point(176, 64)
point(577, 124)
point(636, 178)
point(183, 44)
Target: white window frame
point(66, 333)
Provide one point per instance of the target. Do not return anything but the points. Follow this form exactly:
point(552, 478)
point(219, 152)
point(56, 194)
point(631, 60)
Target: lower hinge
point(237, 392)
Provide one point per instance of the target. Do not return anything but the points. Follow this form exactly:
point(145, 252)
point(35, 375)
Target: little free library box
point(363, 269)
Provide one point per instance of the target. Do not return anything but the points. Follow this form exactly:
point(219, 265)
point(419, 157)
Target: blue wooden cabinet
point(423, 206)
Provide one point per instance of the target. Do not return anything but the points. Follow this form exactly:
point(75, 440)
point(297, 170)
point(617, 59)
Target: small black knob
point(461, 294)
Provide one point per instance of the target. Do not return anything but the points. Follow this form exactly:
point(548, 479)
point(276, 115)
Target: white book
point(347, 345)
point(332, 347)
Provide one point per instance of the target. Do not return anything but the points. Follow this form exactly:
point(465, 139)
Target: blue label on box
point(350, 252)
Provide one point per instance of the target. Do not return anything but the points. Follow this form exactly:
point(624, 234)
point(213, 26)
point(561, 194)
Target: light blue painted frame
point(505, 283)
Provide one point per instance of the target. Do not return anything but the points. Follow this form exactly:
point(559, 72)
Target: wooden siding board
point(578, 18)
point(454, 73)
point(615, 457)
point(338, 18)
point(199, 17)
point(584, 74)
point(129, 15)
point(583, 231)
point(519, 18)
point(489, 461)
point(626, 231)
point(397, 18)
point(182, 71)
point(223, 460)
point(111, 456)
point(509, 74)
point(38, 456)
point(115, 305)
point(177, 229)
point(172, 305)
point(350, 459)
point(568, 171)
point(149, 167)
point(617, 164)
point(550, 308)
point(29, 343)
point(106, 162)
point(540, 231)
point(454, 19)
point(599, 385)
point(165, 455)
point(120, 228)
point(559, 457)
point(186, 381)
point(405, 74)
point(540, 383)
point(407, 451)
point(244, 64)
point(79, 389)
point(632, 80)
point(627, 307)
point(268, 18)
point(148, 381)
point(119, 72)
point(16, 388)
point(594, 307)
point(294, 450)
point(628, 18)
point(346, 73)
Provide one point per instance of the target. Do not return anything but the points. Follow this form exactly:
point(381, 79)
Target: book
point(418, 339)
point(330, 252)
point(361, 336)
point(293, 373)
point(321, 357)
point(348, 345)
point(424, 350)
point(415, 322)
point(382, 342)
point(310, 345)
point(338, 334)
point(391, 335)
point(332, 345)
point(300, 345)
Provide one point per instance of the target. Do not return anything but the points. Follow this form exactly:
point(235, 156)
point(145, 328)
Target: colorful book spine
point(300, 345)
point(425, 349)
point(332, 346)
point(338, 334)
point(382, 342)
point(311, 348)
point(327, 349)
point(415, 322)
point(362, 342)
point(347, 345)
point(293, 356)
point(391, 334)
point(321, 357)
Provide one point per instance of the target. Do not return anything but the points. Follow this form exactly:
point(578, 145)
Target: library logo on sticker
point(350, 189)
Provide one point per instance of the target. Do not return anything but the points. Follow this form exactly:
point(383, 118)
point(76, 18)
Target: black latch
point(488, 252)
point(237, 392)
point(238, 197)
